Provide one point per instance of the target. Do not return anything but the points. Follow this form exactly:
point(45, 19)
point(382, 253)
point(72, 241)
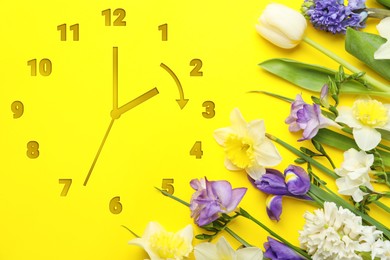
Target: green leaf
point(384, 2)
point(362, 45)
point(311, 77)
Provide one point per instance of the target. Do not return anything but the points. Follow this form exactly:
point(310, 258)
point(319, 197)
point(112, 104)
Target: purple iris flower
point(333, 16)
point(276, 250)
point(213, 198)
point(295, 182)
point(307, 118)
point(272, 182)
point(274, 206)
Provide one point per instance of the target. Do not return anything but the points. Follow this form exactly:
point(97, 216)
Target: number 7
point(67, 183)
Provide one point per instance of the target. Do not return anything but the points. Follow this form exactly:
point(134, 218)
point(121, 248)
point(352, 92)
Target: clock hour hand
point(116, 113)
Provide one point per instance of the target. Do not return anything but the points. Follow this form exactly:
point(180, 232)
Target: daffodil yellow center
point(239, 150)
point(169, 245)
point(371, 113)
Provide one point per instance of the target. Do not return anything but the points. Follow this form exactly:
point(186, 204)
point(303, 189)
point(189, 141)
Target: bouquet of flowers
point(341, 226)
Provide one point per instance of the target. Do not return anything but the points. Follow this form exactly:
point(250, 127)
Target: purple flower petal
point(237, 196)
point(272, 182)
point(297, 180)
point(276, 250)
point(333, 16)
point(274, 206)
point(212, 198)
point(222, 191)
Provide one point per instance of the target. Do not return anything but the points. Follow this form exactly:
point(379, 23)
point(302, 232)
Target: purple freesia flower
point(333, 16)
point(213, 198)
point(295, 182)
point(276, 250)
point(307, 118)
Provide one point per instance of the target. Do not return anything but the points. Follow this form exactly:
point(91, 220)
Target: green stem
point(370, 80)
point(237, 237)
point(173, 197)
point(382, 206)
point(245, 214)
point(128, 229)
point(330, 195)
point(302, 155)
point(379, 13)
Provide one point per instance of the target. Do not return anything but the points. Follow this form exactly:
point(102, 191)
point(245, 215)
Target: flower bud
point(281, 25)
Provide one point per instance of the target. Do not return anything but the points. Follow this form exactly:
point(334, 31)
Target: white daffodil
point(354, 172)
point(223, 250)
point(161, 244)
point(364, 117)
point(281, 25)
point(383, 51)
point(246, 146)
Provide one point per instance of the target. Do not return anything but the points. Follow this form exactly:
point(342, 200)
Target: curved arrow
point(182, 101)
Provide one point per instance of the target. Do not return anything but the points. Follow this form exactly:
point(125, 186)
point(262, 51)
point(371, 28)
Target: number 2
point(197, 63)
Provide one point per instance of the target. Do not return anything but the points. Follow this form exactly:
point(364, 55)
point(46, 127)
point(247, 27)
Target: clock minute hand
point(116, 113)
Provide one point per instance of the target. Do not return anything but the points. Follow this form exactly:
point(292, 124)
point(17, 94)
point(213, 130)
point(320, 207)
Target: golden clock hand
point(115, 78)
point(182, 101)
point(98, 152)
point(116, 113)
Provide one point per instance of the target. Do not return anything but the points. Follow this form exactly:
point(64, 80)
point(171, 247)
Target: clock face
point(102, 102)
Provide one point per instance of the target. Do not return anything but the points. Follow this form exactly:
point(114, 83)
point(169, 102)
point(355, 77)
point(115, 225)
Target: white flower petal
point(152, 228)
point(224, 249)
point(230, 166)
point(206, 251)
point(249, 253)
point(256, 171)
point(346, 116)
point(366, 138)
point(383, 52)
point(384, 28)
point(281, 25)
point(256, 130)
point(141, 242)
point(275, 38)
point(267, 154)
point(187, 233)
point(239, 124)
point(221, 134)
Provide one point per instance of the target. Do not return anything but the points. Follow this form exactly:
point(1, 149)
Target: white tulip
point(282, 25)
point(383, 51)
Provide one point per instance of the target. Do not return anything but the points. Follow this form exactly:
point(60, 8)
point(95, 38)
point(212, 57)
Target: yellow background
point(68, 112)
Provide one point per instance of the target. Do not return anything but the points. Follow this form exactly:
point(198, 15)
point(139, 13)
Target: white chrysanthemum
point(364, 117)
point(354, 172)
point(332, 233)
point(246, 146)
